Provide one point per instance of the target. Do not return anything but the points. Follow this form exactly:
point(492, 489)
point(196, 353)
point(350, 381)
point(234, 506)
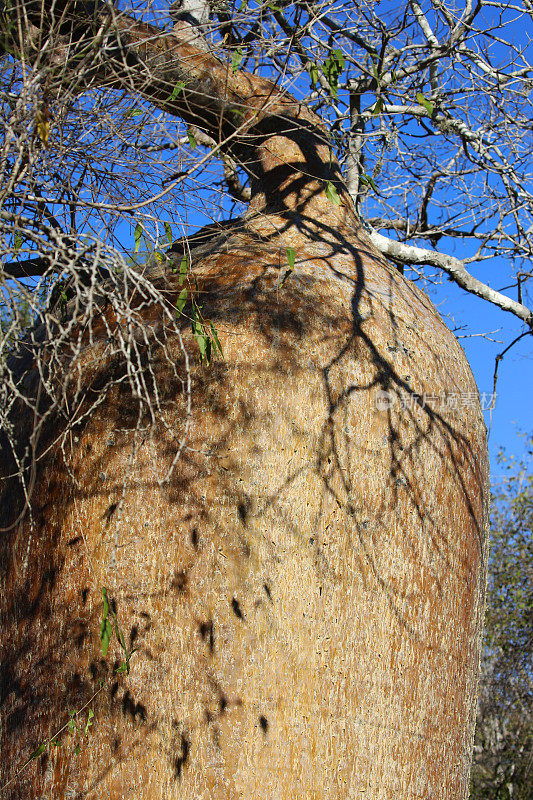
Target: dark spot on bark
point(222, 703)
point(263, 722)
point(181, 760)
point(107, 515)
point(179, 581)
point(243, 512)
point(207, 632)
point(113, 690)
point(116, 744)
point(74, 542)
point(236, 608)
point(79, 632)
point(134, 710)
point(84, 595)
point(208, 716)
point(76, 683)
point(267, 591)
point(194, 538)
point(133, 635)
point(246, 549)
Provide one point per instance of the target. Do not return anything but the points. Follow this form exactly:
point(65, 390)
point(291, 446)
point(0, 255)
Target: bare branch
point(454, 267)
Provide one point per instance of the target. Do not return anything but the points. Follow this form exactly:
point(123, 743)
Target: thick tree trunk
point(306, 591)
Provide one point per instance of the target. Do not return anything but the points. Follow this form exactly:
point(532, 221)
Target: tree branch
point(454, 267)
point(280, 142)
point(28, 268)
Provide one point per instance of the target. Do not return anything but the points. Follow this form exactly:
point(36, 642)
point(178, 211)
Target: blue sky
point(513, 411)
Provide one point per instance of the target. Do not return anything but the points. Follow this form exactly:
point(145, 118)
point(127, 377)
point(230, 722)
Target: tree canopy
point(426, 107)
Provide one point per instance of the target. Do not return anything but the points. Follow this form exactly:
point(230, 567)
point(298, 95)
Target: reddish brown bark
point(306, 592)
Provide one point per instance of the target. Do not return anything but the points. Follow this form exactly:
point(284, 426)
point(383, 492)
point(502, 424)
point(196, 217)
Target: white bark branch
point(454, 267)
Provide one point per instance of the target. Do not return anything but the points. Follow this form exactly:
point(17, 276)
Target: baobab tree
point(244, 511)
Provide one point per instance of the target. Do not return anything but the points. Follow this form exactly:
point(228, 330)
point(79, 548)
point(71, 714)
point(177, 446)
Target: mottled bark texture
point(306, 592)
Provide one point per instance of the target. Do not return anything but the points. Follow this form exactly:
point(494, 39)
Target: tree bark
point(306, 592)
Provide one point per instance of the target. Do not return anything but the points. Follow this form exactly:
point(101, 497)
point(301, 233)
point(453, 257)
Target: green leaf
point(176, 90)
point(123, 668)
point(192, 141)
point(89, 721)
point(287, 273)
point(377, 108)
point(332, 68)
point(332, 193)
point(430, 108)
point(168, 231)
point(184, 266)
point(236, 59)
point(291, 256)
point(77, 749)
point(339, 56)
point(119, 634)
point(203, 345)
point(106, 630)
point(40, 750)
point(139, 230)
point(368, 180)
point(215, 339)
point(17, 244)
point(134, 112)
point(182, 299)
point(203, 341)
point(313, 74)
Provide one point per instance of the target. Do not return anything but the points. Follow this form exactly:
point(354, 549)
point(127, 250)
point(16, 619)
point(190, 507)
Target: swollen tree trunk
point(305, 593)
